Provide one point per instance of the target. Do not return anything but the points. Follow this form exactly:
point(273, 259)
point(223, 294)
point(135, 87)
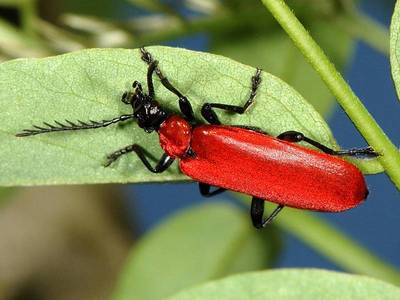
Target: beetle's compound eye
point(125, 98)
point(137, 86)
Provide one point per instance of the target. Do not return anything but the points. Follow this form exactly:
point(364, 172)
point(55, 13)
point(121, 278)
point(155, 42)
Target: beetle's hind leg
point(207, 110)
point(205, 190)
point(295, 137)
point(184, 104)
point(257, 213)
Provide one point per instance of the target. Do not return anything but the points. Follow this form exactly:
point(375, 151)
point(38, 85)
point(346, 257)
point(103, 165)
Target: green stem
point(332, 244)
point(390, 157)
point(365, 29)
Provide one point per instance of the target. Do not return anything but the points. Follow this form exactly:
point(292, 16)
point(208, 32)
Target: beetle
point(238, 158)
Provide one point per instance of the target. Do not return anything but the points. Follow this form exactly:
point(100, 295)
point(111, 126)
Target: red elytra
point(256, 164)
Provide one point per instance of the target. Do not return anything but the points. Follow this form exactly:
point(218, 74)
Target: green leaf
point(275, 53)
point(294, 284)
point(199, 244)
point(88, 85)
point(395, 47)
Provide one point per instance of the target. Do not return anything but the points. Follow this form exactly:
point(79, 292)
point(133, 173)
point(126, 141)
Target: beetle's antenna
point(68, 125)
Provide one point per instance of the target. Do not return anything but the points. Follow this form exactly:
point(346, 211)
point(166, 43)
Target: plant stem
point(332, 243)
point(390, 157)
point(367, 30)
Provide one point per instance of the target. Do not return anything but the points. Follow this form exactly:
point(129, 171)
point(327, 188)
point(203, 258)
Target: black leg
point(205, 190)
point(150, 71)
point(209, 114)
point(257, 212)
point(163, 164)
point(184, 104)
point(68, 125)
point(295, 136)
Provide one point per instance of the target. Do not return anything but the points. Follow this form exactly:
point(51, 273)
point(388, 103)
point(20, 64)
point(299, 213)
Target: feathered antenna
point(78, 125)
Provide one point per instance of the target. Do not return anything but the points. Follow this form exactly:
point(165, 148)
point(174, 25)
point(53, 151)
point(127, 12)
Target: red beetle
point(238, 158)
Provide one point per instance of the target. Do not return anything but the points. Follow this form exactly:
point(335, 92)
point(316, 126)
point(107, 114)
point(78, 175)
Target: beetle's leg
point(209, 114)
point(68, 125)
point(163, 164)
point(205, 190)
point(257, 212)
point(295, 136)
point(184, 104)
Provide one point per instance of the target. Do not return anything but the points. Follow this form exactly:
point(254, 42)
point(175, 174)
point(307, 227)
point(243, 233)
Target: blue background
point(373, 224)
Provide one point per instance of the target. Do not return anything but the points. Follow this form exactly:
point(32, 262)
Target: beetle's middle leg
point(205, 190)
point(209, 114)
point(163, 164)
point(257, 213)
point(295, 136)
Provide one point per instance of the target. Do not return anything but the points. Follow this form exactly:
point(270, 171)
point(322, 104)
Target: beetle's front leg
point(163, 164)
point(184, 104)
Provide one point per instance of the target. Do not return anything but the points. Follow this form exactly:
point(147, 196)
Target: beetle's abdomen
point(175, 133)
point(259, 165)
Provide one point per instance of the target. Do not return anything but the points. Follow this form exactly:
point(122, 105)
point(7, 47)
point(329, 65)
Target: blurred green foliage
point(202, 243)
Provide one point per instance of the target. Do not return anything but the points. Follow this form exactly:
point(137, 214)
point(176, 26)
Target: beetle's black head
point(146, 110)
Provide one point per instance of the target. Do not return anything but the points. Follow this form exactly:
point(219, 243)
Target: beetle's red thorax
point(175, 135)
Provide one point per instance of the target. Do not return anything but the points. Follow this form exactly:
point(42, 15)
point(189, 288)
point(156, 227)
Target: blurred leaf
point(15, 43)
point(106, 34)
point(5, 194)
point(14, 2)
point(366, 29)
point(204, 6)
point(59, 39)
point(395, 47)
point(155, 6)
point(88, 85)
point(294, 284)
point(275, 53)
point(100, 8)
point(306, 7)
point(340, 249)
point(87, 23)
point(196, 245)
